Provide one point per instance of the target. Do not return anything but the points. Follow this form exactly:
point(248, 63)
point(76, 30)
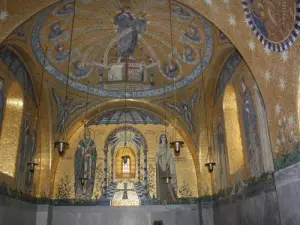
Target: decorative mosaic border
point(16, 65)
point(226, 73)
point(273, 46)
point(127, 128)
point(142, 113)
point(39, 54)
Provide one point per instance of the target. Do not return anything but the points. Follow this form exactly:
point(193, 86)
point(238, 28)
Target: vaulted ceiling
point(102, 33)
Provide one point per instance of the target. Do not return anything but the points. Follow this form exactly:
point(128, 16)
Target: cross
point(125, 196)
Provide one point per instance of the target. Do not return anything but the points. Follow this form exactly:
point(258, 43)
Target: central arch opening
point(125, 168)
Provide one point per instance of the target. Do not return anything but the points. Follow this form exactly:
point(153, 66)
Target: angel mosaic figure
point(55, 30)
point(64, 109)
point(61, 52)
point(85, 166)
point(67, 9)
point(185, 108)
point(81, 70)
point(192, 34)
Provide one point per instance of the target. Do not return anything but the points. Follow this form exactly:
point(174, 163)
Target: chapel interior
point(153, 112)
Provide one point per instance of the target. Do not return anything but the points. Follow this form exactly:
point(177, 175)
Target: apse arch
point(133, 103)
point(12, 124)
point(232, 131)
point(228, 68)
point(112, 140)
point(267, 157)
point(18, 69)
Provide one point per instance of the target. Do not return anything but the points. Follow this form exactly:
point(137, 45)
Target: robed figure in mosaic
point(128, 29)
point(222, 155)
point(85, 166)
point(23, 150)
point(165, 168)
point(251, 131)
point(30, 158)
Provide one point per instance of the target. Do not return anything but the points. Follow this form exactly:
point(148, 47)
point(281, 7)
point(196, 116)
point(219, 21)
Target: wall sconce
point(210, 166)
point(210, 161)
point(61, 146)
point(83, 180)
point(31, 166)
point(167, 178)
point(176, 145)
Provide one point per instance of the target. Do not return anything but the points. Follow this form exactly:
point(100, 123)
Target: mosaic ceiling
point(111, 36)
point(128, 116)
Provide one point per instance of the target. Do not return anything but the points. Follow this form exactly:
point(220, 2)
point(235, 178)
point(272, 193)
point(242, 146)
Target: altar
point(125, 194)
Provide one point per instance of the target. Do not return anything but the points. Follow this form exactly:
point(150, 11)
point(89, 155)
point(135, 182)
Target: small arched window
point(11, 129)
point(126, 166)
point(232, 131)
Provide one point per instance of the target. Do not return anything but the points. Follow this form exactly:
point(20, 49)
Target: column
point(105, 173)
point(139, 165)
point(145, 172)
point(112, 167)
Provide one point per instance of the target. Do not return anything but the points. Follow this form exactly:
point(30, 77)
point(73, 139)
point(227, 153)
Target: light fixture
point(125, 158)
point(210, 163)
point(31, 166)
point(62, 144)
point(167, 177)
point(176, 144)
point(83, 180)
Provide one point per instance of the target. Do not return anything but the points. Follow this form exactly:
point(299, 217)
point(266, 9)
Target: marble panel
point(261, 209)
point(206, 213)
point(16, 212)
point(288, 192)
point(143, 215)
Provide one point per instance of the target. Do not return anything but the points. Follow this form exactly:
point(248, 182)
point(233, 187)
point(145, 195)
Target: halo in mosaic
point(276, 24)
point(109, 38)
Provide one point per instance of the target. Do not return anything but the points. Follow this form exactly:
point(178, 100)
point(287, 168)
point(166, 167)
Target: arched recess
point(112, 140)
point(12, 123)
point(220, 153)
point(267, 158)
point(120, 164)
point(232, 131)
point(117, 103)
